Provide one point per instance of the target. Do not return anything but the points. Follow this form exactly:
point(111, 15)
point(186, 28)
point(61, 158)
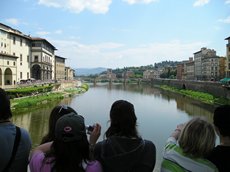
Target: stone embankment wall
point(66, 84)
point(214, 88)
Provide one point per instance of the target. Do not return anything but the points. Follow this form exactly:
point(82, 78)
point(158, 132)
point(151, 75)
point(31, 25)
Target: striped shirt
point(174, 160)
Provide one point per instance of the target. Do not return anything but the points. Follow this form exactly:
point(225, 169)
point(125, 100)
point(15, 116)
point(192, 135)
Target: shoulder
point(149, 144)
point(25, 136)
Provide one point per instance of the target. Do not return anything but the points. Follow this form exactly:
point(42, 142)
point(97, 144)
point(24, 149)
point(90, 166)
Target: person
point(195, 139)
point(220, 155)
point(56, 113)
point(123, 149)
point(69, 151)
point(12, 138)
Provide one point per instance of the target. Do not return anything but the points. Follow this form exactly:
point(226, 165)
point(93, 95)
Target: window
point(36, 58)
point(14, 63)
point(8, 62)
point(28, 58)
point(20, 57)
point(20, 75)
point(20, 41)
point(28, 75)
point(14, 54)
point(14, 40)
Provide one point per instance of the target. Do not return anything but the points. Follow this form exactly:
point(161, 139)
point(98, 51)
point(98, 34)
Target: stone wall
point(214, 88)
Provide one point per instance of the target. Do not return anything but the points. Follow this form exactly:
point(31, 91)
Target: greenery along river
point(158, 111)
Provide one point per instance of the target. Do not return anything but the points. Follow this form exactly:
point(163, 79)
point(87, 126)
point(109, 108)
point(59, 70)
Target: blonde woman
point(188, 146)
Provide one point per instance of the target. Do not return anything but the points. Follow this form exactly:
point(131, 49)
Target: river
point(158, 112)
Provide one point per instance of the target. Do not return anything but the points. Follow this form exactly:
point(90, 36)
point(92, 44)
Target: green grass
point(201, 96)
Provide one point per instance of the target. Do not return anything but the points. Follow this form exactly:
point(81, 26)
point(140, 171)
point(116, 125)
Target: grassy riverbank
point(201, 96)
point(36, 101)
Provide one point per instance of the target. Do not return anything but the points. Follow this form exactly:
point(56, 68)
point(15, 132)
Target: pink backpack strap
point(94, 166)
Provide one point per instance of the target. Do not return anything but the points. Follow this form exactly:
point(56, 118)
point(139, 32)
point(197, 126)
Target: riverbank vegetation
point(201, 96)
point(34, 97)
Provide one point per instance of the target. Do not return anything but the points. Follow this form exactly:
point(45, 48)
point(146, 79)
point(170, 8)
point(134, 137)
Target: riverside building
point(23, 57)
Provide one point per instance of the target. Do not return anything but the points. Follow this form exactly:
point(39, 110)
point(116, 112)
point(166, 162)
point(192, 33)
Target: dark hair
point(68, 156)
point(221, 119)
point(56, 113)
point(5, 111)
point(123, 120)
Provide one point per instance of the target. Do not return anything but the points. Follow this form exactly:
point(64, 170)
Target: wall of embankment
point(214, 88)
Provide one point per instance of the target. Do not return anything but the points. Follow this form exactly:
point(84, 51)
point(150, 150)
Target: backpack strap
point(15, 148)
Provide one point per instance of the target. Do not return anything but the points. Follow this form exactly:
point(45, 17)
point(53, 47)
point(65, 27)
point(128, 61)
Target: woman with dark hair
point(123, 149)
point(56, 113)
point(69, 151)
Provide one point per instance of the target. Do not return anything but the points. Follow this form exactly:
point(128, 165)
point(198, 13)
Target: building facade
point(198, 58)
point(59, 68)
point(228, 57)
point(23, 57)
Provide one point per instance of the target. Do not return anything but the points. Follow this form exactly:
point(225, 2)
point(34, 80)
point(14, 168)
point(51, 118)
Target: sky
point(122, 33)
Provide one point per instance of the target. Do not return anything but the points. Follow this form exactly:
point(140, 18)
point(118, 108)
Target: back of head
point(123, 119)
point(70, 146)
point(197, 138)
point(5, 111)
point(70, 127)
point(56, 113)
point(221, 120)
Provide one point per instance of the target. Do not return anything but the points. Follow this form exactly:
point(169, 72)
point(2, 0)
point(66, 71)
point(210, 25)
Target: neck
point(225, 141)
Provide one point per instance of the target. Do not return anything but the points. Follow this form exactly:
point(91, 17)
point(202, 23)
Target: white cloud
point(140, 1)
point(115, 55)
point(199, 3)
point(42, 33)
point(226, 20)
point(12, 21)
point(227, 2)
point(77, 6)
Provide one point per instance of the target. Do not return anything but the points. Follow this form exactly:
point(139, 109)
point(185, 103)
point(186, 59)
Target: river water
point(158, 112)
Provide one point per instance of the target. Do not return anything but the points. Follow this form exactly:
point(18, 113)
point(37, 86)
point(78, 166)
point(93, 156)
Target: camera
point(89, 129)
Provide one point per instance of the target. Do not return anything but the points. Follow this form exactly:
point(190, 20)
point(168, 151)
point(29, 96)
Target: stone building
point(198, 59)
point(228, 57)
point(59, 68)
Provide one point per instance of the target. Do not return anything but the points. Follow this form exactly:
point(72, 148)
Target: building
point(59, 68)
point(210, 68)
point(69, 73)
point(151, 74)
point(15, 54)
point(23, 57)
point(128, 74)
point(228, 57)
point(190, 69)
point(198, 59)
point(42, 59)
point(110, 75)
point(222, 67)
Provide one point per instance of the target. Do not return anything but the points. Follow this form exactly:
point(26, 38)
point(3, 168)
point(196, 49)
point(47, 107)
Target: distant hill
point(89, 71)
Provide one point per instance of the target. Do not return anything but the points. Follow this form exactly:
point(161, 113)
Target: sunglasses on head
point(63, 107)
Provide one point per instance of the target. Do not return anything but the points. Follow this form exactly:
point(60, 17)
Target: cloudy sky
point(122, 33)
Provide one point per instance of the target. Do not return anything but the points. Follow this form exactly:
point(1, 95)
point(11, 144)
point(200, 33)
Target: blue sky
point(122, 33)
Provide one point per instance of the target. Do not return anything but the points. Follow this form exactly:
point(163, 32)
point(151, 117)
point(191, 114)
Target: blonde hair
point(197, 138)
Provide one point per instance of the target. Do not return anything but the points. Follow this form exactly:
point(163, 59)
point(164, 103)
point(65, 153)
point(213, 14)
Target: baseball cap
point(70, 127)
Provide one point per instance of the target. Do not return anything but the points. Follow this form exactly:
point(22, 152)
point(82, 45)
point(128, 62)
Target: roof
point(42, 39)
point(59, 57)
point(227, 38)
